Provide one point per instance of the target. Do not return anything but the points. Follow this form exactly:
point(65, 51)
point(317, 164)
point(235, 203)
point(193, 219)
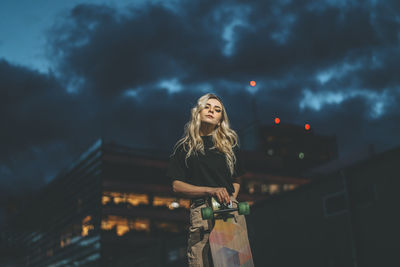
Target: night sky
point(74, 71)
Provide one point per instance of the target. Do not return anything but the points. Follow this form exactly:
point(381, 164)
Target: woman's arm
point(193, 191)
point(237, 187)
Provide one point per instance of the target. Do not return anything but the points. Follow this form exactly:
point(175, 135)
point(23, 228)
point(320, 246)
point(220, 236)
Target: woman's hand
point(193, 191)
point(220, 193)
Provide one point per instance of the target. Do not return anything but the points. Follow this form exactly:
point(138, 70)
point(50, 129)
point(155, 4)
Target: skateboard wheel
point(244, 208)
point(206, 213)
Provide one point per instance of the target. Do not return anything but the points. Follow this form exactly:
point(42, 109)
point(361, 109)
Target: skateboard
point(229, 241)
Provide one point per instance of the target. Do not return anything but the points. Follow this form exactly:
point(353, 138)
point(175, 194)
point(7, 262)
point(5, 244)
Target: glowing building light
point(273, 188)
point(185, 203)
point(105, 200)
point(253, 83)
point(307, 127)
point(301, 155)
point(287, 187)
point(86, 225)
point(163, 201)
point(174, 205)
point(251, 188)
point(119, 197)
point(123, 225)
point(277, 120)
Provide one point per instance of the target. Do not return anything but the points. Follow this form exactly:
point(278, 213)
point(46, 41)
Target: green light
point(301, 155)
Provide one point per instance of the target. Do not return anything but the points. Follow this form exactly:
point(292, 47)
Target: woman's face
point(212, 112)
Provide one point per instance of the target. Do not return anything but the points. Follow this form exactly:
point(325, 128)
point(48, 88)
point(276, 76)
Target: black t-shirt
point(210, 169)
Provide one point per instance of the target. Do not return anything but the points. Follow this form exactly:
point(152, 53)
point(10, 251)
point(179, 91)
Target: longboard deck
point(229, 243)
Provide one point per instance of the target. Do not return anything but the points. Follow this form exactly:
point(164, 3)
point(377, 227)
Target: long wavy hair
point(225, 139)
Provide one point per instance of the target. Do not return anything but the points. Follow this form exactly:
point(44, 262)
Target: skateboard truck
point(223, 211)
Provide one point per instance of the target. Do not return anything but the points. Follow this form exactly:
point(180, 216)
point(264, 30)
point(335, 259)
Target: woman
point(205, 164)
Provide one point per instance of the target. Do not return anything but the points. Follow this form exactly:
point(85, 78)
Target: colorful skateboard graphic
point(229, 241)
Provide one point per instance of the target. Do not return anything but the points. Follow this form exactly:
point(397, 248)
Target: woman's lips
point(210, 116)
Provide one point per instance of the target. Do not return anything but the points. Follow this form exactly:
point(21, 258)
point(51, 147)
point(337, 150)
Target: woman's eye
point(216, 110)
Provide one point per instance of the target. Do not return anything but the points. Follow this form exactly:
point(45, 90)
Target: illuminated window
point(86, 225)
point(87, 219)
point(137, 199)
point(171, 203)
point(73, 231)
point(287, 187)
point(163, 201)
point(105, 200)
point(65, 241)
point(274, 188)
point(251, 188)
point(140, 225)
point(184, 203)
point(118, 197)
point(123, 225)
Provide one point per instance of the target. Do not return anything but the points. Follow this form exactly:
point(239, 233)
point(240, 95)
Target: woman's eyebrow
point(214, 106)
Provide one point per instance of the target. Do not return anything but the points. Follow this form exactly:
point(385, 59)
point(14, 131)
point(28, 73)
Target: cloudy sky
point(129, 71)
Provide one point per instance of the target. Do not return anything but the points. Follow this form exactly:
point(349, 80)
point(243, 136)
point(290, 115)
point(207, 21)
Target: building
point(343, 217)
point(288, 149)
point(111, 207)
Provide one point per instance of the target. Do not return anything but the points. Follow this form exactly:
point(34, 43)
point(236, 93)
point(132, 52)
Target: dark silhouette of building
point(346, 216)
point(111, 207)
point(288, 149)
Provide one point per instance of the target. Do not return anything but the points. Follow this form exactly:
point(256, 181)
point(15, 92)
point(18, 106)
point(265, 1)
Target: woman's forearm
point(192, 191)
point(237, 187)
point(189, 190)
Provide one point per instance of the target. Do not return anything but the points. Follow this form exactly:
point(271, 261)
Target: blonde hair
point(225, 139)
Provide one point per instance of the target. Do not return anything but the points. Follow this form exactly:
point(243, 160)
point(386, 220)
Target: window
point(119, 197)
point(334, 204)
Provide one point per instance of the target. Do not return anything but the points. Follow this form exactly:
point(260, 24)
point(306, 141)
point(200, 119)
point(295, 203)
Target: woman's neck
point(206, 129)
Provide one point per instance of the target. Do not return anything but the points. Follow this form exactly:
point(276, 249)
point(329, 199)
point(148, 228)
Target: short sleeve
point(177, 169)
point(239, 168)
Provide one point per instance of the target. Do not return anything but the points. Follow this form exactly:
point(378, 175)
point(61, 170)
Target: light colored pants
point(198, 251)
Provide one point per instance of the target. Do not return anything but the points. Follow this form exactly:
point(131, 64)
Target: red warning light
point(277, 120)
point(253, 83)
point(307, 126)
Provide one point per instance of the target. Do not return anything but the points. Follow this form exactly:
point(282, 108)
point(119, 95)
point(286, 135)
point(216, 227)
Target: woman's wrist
point(207, 191)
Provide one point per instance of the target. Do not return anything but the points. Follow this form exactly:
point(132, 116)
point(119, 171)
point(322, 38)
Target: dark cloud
point(39, 116)
point(112, 53)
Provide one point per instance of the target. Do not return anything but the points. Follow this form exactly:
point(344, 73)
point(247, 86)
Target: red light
point(253, 83)
point(307, 126)
point(277, 120)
